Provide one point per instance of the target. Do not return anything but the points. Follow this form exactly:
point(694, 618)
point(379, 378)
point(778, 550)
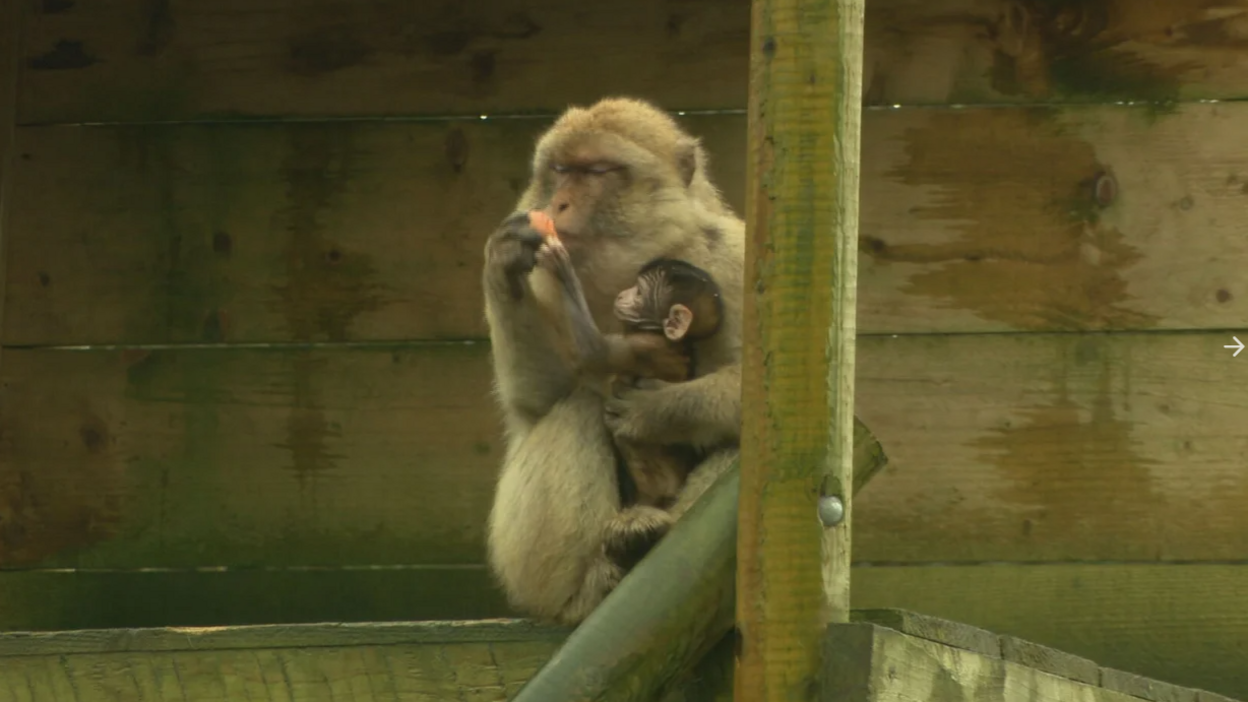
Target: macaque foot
point(600, 579)
point(632, 534)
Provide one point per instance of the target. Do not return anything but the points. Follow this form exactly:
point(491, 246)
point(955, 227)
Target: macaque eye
point(595, 168)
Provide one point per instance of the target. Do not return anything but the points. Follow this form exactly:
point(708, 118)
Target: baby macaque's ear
point(679, 319)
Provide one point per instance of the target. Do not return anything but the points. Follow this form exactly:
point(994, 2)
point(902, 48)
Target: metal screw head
point(831, 510)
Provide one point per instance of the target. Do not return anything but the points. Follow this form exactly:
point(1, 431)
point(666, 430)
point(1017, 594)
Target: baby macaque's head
point(674, 298)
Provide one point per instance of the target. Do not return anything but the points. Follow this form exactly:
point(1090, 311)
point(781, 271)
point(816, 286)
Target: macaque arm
point(530, 373)
point(709, 407)
point(705, 411)
point(594, 351)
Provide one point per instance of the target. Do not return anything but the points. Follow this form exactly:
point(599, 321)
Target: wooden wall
point(243, 374)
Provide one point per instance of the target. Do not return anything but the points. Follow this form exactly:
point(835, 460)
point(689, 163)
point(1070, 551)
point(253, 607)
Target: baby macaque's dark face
point(628, 305)
point(642, 307)
point(670, 298)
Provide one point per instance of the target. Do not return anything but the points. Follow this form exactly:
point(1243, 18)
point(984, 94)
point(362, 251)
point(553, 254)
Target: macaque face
point(582, 193)
point(628, 306)
point(586, 180)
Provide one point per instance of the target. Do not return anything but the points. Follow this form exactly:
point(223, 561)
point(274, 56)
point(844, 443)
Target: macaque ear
point(678, 321)
point(687, 160)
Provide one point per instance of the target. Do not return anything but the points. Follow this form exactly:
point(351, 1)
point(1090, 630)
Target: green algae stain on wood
point(1044, 457)
point(1055, 49)
point(186, 273)
point(326, 286)
point(1062, 269)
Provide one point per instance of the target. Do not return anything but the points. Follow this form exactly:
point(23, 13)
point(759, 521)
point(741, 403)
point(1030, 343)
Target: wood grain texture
point(1181, 624)
point(462, 660)
point(1001, 447)
point(482, 672)
point(970, 220)
point(909, 668)
point(136, 60)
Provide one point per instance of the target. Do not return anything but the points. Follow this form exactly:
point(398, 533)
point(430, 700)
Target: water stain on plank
point(47, 509)
point(327, 284)
point(1045, 49)
point(1060, 270)
point(64, 55)
point(1072, 440)
point(158, 30)
point(325, 51)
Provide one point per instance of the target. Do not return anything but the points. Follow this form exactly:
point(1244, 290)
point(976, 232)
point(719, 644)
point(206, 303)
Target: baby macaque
point(672, 305)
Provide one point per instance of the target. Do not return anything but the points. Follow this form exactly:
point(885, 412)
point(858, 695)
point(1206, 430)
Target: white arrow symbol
point(1238, 348)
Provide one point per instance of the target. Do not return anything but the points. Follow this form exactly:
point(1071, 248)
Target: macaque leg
point(557, 499)
point(657, 471)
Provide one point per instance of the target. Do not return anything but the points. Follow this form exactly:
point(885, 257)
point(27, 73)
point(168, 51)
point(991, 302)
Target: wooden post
point(798, 378)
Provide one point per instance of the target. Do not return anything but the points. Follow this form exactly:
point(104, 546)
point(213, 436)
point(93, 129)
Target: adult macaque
point(624, 186)
point(671, 305)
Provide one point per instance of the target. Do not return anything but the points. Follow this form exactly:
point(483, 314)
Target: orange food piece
point(543, 224)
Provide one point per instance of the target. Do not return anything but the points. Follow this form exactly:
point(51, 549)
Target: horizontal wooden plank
point(259, 457)
point(479, 660)
point(1118, 447)
point(485, 673)
point(68, 599)
point(480, 671)
point(272, 636)
point(906, 668)
point(1181, 624)
point(925, 626)
point(972, 220)
point(132, 60)
point(1002, 447)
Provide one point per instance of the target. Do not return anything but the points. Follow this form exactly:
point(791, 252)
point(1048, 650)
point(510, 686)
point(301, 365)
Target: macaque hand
point(552, 255)
point(511, 252)
point(649, 411)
